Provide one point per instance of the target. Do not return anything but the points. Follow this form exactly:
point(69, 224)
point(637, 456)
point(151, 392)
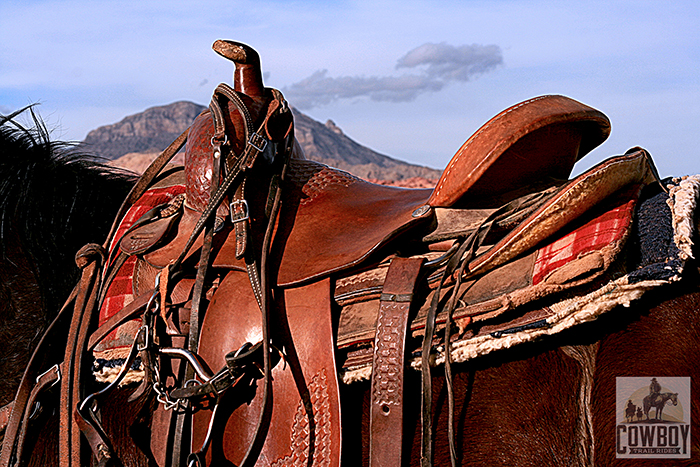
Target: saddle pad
point(658, 244)
point(571, 260)
point(574, 199)
point(110, 353)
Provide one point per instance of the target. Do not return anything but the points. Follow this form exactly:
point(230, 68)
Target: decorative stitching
point(300, 436)
point(488, 124)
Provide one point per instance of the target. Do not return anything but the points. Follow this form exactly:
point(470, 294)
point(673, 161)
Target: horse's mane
point(55, 198)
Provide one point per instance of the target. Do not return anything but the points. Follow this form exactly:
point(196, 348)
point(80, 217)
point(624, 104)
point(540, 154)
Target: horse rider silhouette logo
point(653, 417)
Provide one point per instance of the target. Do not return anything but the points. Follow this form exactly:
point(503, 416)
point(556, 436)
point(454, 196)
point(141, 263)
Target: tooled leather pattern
point(199, 152)
point(312, 178)
point(199, 160)
point(300, 437)
point(386, 385)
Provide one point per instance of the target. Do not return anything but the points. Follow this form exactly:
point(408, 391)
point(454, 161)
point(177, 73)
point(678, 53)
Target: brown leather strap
point(96, 439)
point(263, 295)
point(127, 313)
point(239, 217)
point(45, 380)
point(386, 409)
point(5, 412)
point(310, 321)
point(43, 352)
point(182, 435)
point(89, 259)
point(146, 180)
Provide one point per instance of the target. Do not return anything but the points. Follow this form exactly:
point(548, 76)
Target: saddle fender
point(305, 410)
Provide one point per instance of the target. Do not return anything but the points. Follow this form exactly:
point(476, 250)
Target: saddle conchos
point(241, 290)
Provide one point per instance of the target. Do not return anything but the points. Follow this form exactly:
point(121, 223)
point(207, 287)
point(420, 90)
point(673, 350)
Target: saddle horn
point(247, 75)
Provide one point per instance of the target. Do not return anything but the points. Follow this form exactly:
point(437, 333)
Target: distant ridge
point(136, 139)
point(329, 145)
point(147, 132)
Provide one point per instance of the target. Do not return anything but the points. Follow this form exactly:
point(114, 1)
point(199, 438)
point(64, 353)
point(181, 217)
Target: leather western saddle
point(235, 290)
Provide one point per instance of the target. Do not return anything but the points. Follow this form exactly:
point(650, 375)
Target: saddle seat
point(332, 221)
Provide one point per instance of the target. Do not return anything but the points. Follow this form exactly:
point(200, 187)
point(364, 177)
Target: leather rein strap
point(456, 269)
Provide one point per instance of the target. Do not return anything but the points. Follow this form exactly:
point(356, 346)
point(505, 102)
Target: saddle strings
point(195, 315)
point(457, 269)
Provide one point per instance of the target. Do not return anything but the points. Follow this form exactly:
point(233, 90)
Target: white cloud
point(437, 65)
point(459, 63)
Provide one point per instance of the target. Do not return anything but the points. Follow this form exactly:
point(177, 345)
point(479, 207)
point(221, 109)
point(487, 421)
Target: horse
point(659, 403)
point(566, 417)
point(550, 402)
point(54, 198)
point(630, 411)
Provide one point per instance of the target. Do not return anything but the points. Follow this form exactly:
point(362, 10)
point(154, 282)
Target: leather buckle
point(237, 217)
point(222, 380)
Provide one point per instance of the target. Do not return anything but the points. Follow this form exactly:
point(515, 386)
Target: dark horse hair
point(49, 192)
point(548, 403)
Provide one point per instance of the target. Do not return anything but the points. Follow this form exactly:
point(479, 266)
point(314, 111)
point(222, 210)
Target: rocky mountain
point(150, 131)
point(329, 145)
point(135, 141)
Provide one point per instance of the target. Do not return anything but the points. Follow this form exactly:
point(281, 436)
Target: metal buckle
point(400, 298)
point(215, 140)
point(258, 142)
point(54, 368)
point(146, 339)
point(234, 215)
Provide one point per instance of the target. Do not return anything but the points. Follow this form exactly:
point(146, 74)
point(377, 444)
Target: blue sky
point(411, 79)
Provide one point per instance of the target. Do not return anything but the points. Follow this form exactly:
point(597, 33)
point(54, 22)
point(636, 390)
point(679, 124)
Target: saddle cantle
point(536, 142)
